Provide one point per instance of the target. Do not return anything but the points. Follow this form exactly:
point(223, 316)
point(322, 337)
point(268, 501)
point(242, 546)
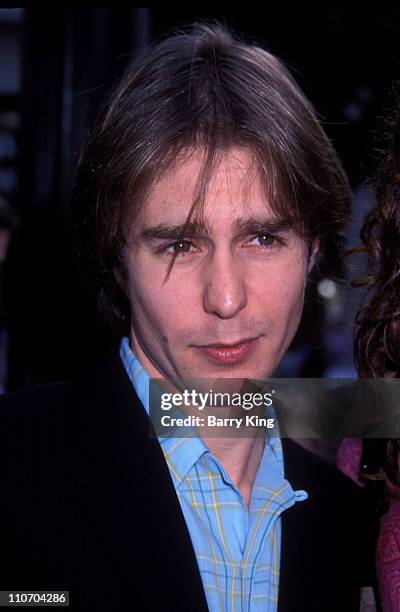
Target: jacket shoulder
point(38, 397)
point(35, 409)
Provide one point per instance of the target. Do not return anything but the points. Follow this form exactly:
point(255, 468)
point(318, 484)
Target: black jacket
point(88, 505)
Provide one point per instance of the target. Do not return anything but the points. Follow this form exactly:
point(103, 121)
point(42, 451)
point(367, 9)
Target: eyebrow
point(250, 225)
point(256, 225)
point(172, 232)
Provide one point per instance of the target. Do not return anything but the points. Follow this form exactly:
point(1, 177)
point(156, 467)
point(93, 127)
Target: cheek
point(292, 300)
point(281, 295)
point(165, 308)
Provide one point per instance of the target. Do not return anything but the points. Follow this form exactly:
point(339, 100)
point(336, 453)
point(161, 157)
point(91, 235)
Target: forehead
point(235, 189)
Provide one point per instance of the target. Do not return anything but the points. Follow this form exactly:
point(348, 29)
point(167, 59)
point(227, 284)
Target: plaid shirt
point(237, 547)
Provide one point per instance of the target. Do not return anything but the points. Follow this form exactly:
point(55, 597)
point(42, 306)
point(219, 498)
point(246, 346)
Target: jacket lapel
point(131, 497)
point(292, 595)
point(320, 546)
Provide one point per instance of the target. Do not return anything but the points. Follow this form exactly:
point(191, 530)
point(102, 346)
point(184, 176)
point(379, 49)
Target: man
point(207, 190)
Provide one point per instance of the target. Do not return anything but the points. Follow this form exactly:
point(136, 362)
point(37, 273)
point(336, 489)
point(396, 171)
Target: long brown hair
point(202, 89)
point(377, 341)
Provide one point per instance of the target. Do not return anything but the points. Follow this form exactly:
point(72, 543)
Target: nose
point(224, 287)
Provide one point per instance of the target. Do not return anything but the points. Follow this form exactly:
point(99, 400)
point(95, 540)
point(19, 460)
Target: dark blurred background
point(56, 66)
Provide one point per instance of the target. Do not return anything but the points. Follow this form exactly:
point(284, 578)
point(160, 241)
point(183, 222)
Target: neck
point(241, 459)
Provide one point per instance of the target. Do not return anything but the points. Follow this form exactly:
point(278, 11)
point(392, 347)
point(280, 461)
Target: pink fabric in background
point(388, 558)
point(348, 458)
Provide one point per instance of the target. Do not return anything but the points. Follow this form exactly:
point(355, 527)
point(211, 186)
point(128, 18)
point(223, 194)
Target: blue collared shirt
point(237, 547)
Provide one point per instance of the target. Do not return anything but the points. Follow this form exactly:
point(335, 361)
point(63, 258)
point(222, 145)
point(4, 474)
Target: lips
point(229, 353)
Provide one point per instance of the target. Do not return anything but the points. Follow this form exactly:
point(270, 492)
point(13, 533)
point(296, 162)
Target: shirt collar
point(181, 453)
point(136, 372)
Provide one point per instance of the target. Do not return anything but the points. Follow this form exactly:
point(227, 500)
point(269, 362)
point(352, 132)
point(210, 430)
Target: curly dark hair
point(377, 340)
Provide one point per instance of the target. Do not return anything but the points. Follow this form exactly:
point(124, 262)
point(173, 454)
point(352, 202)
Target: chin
point(240, 372)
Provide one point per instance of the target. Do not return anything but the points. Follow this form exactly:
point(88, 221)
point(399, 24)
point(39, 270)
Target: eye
point(180, 247)
point(264, 239)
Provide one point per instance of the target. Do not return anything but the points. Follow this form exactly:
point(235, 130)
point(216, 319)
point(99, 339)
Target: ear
point(313, 254)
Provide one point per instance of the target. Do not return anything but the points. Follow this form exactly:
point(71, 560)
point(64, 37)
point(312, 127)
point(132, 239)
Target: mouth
point(229, 353)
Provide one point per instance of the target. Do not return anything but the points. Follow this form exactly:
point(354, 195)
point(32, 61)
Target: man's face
point(234, 297)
